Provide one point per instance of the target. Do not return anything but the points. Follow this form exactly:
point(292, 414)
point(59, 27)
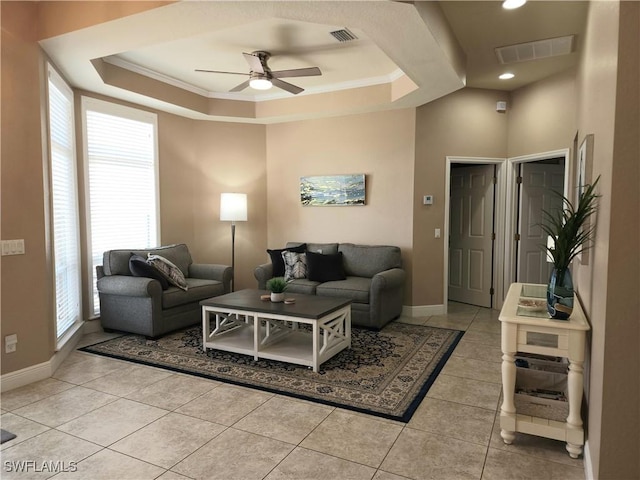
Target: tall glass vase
point(560, 294)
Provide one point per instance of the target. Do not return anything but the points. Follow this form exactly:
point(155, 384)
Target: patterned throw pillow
point(172, 273)
point(295, 265)
point(276, 258)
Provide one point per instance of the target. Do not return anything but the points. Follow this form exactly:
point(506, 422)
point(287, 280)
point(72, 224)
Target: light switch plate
point(13, 247)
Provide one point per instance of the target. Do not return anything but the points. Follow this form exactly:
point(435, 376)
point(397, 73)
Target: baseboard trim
point(92, 326)
point(588, 466)
point(23, 377)
point(423, 310)
point(44, 370)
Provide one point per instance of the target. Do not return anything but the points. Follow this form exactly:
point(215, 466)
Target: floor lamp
point(233, 208)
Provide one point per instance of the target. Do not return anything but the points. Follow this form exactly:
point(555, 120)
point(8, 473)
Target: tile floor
point(100, 418)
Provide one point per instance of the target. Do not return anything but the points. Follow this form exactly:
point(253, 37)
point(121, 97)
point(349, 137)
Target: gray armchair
point(139, 304)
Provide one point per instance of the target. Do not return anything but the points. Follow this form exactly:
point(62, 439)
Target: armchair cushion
point(198, 289)
point(139, 267)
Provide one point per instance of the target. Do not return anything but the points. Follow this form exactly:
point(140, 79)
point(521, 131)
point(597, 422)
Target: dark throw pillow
point(325, 268)
point(139, 267)
point(278, 262)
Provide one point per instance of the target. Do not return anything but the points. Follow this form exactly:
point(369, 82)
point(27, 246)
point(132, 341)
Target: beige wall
point(542, 116)
point(608, 104)
point(26, 308)
point(380, 145)
point(198, 161)
point(464, 123)
point(56, 18)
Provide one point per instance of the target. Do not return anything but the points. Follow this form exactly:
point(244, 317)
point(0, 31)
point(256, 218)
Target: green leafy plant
point(276, 285)
point(566, 226)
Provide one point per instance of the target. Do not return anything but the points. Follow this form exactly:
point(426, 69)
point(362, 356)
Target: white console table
point(534, 332)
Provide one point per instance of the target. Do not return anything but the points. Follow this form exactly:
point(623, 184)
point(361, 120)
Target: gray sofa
point(374, 281)
point(139, 304)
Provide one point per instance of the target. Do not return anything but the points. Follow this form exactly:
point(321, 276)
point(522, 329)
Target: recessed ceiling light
point(506, 76)
point(512, 4)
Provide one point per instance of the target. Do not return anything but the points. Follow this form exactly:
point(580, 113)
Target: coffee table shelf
point(241, 322)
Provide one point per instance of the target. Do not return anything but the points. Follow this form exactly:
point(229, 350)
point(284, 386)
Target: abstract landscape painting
point(338, 190)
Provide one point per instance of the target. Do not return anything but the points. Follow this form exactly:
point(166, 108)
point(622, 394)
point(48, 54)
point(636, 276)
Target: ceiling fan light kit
point(262, 78)
point(513, 4)
point(260, 83)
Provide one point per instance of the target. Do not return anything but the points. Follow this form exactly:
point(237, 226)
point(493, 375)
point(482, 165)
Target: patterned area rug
point(385, 373)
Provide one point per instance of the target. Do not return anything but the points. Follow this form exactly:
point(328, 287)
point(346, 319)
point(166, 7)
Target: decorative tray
point(533, 304)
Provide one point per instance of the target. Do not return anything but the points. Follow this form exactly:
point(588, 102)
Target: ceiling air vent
point(523, 52)
point(344, 35)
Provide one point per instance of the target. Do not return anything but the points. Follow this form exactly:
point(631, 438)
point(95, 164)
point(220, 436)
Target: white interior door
point(471, 234)
point(539, 181)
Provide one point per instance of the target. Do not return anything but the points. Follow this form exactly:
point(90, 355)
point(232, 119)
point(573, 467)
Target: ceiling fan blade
point(287, 86)
point(240, 87)
point(218, 71)
point(297, 72)
point(254, 62)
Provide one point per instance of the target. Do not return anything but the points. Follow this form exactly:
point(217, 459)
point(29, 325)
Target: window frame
point(53, 77)
point(115, 109)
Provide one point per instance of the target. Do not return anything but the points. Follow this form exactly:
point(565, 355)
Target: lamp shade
point(233, 207)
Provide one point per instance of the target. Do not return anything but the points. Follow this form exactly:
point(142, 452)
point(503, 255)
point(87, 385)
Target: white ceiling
point(401, 57)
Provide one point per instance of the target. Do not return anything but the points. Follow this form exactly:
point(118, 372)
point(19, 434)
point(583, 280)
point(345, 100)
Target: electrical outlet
point(10, 343)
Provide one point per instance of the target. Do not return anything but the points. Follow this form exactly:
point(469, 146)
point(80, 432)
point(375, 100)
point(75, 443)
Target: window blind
point(64, 197)
point(121, 164)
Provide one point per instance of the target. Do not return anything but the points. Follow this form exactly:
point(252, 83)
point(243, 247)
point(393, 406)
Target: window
point(64, 204)
point(121, 178)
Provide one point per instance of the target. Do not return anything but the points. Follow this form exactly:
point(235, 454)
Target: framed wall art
point(333, 190)
point(585, 155)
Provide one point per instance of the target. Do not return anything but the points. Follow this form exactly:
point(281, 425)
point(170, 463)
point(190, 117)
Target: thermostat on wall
point(427, 200)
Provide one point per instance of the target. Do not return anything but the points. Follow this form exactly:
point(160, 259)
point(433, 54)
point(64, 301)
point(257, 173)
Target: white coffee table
point(241, 322)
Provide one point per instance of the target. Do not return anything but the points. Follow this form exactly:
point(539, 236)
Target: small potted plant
point(277, 286)
point(568, 236)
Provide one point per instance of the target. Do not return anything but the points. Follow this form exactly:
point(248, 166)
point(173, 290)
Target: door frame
point(499, 223)
point(513, 203)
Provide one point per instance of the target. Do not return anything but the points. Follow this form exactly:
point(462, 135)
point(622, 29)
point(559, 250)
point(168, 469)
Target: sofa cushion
point(302, 285)
point(139, 267)
point(325, 268)
point(367, 260)
point(116, 262)
point(278, 262)
point(171, 272)
point(355, 288)
point(326, 248)
point(198, 289)
point(295, 265)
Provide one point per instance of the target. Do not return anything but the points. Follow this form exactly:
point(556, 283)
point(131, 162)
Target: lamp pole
point(233, 208)
point(233, 255)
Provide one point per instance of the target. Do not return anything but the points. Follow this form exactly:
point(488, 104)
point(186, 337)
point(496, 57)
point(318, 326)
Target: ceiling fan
point(262, 78)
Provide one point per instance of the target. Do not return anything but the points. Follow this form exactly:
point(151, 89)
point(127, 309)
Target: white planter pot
point(277, 297)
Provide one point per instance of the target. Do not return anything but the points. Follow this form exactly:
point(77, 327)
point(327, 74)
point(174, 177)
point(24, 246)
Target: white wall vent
point(344, 35)
point(523, 52)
